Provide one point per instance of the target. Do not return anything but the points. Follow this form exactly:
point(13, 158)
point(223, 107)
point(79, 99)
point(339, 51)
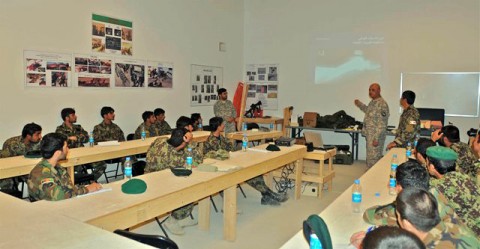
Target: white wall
point(183, 32)
point(421, 36)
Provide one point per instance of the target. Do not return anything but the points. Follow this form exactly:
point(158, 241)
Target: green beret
point(442, 153)
point(134, 186)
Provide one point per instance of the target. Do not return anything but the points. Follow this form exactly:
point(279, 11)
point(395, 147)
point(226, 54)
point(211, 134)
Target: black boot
point(268, 199)
point(280, 197)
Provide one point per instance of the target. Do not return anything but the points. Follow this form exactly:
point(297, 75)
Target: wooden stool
point(320, 176)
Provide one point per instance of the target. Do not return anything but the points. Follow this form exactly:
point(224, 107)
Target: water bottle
point(392, 183)
point(244, 142)
point(271, 126)
point(356, 197)
point(128, 168)
point(189, 159)
point(91, 140)
point(244, 128)
point(144, 134)
point(417, 137)
point(315, 242)
point(409, 149)
point(200, 127)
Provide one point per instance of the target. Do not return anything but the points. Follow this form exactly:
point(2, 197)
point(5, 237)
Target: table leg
point(204, 214)
point(230, 213)
point(356, 149)
point(298, 178)
point(71, 172)
point(320, 174)
point(330, 170)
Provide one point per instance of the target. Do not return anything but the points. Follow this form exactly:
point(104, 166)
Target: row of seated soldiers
point(153, 123)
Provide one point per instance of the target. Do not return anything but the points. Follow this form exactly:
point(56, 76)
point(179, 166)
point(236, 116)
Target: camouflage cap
point(134, 186)
point(442, 153)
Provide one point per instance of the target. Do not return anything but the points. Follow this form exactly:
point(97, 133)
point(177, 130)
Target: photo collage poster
point(129, 73)
point(93, 71)
point(205, 82)
point(111, 35)
point(47, 69)
point(262, 80)
point(160, 74)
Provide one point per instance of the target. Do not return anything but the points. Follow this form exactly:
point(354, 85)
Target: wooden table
point(254, 135)
point(17, 166)
point(341, 221)
point(115, 210)
point(25, 226)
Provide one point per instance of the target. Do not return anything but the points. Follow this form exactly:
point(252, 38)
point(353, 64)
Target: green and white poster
point(111, 35)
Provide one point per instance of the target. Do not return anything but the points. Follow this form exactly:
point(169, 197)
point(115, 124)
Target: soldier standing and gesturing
point(374, 124)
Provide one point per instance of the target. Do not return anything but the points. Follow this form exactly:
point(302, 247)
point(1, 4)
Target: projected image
point(341, 59)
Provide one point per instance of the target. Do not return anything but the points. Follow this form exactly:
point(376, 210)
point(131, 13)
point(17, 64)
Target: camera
point(472, 132)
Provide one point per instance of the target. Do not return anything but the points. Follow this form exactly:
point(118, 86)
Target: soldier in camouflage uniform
point(409, 124)
point(106, 131)
point(19, 146)
point(449, 136)
point(224, 108)
point(164, 153)
point(216, 142)
point(162, 127)
point(459, 189)
point(374, 124)
point(148, 125)
point(413, 175)
point(48, 180)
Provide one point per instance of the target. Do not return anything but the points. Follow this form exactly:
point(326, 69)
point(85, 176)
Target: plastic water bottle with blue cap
point(244, 142)
point(144, 133)
point(357, 197)
point(409, 149)
point(91, 140)
point(128, 168)
point(392, 184)
point(189, 159)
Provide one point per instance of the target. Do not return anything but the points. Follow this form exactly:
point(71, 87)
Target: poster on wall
point(262, 80)
point(92, 71)
point(160, 74)
point(129, 73)
point(47, 69)
point(205, 82)
point(111, 35)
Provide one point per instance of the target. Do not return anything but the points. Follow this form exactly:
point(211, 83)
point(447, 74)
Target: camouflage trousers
point(183, 212)
point(6, 184)
point(259, 184)
point(374, 153)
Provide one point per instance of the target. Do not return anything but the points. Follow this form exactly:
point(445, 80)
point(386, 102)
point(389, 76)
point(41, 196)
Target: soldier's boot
point(187, 222)
point(268, 199)
point(173, 226)
point(280, 197)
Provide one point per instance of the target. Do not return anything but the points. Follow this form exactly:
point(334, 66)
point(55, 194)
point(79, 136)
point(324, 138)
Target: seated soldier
point(421, 150)
point(412, 175)
point(216, 141)
point(391, 237)
point(459, 189)
point(162, 126)
point(48, 180)
point(148, 126)
point(19, 146)
point(449, 136)
point(76, 137)
point(164, 153)
point(197, 121)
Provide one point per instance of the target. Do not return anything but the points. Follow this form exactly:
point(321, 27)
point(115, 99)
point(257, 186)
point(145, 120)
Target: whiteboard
point(456, 92)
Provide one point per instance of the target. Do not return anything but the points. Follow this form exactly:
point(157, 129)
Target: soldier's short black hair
point(176, 139)
point(423, 144)
point(30, 129)
point(158, 111)
point(452, 133)
point(442, 166)
point(419, 207)
point(51, 143)
point(183, 121)
point(146, 115)
point(409, 96)
point(221, 90)
point(412, 174)
point(106, 110)
point(391, 237)
point(214, 123)
point(195, 116)
point(66, 112)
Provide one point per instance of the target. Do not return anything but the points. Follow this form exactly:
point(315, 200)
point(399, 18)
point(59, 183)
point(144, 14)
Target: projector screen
point(342, 58)
point(456, 92)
